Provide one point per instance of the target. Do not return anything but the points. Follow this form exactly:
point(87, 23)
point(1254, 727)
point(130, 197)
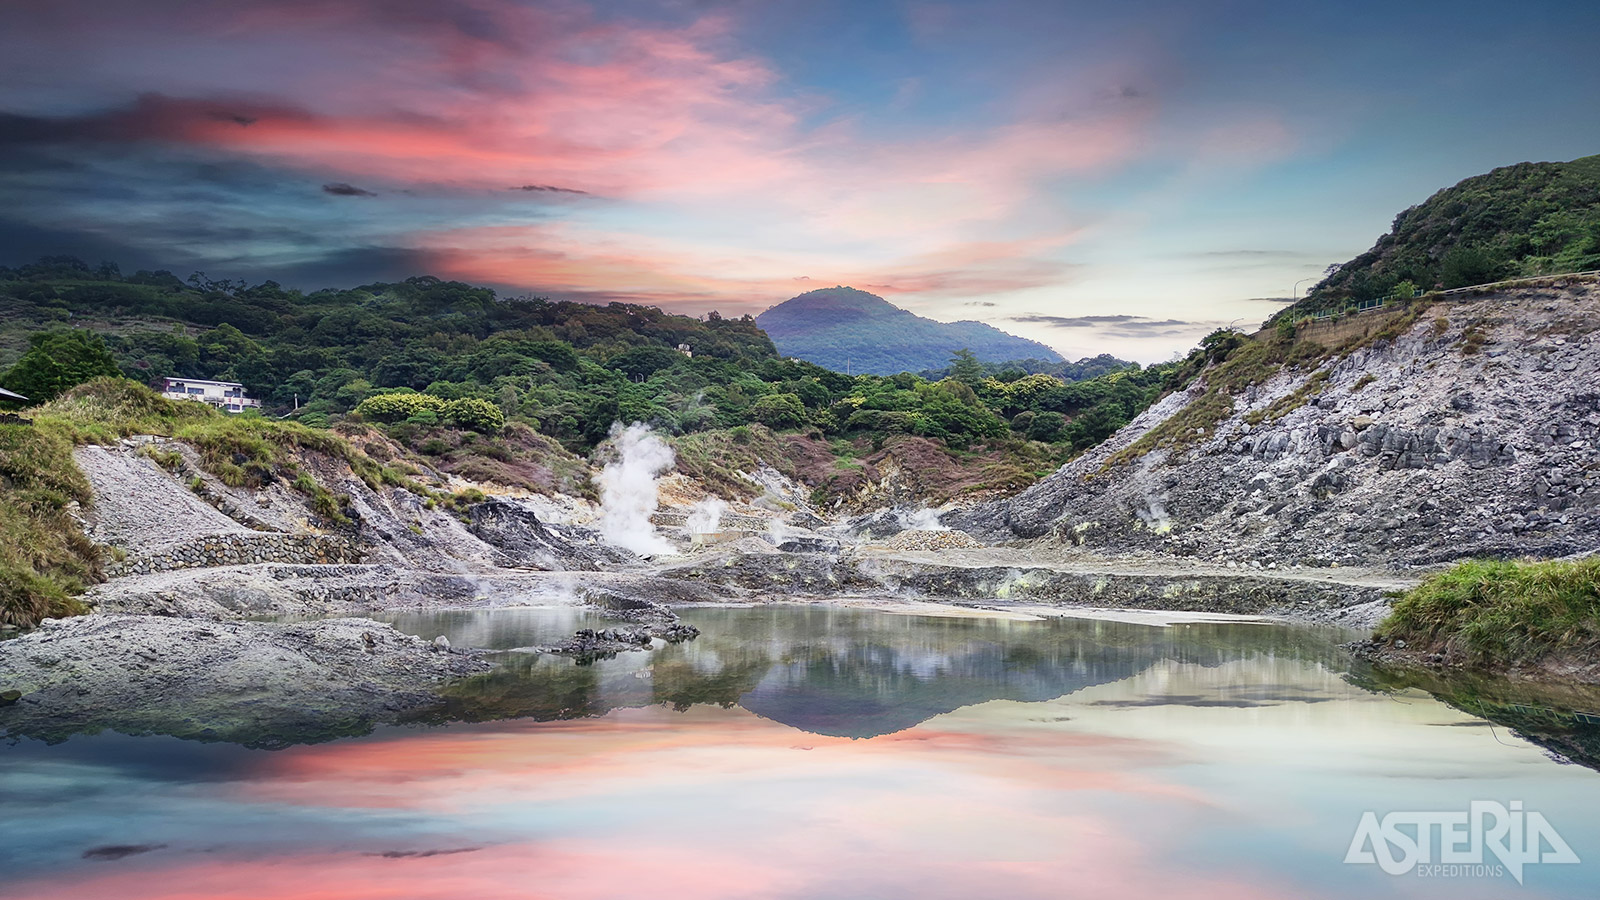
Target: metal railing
point(1515, 281)
point(1370, 305)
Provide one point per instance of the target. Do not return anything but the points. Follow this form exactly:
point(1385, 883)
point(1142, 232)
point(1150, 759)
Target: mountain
point(844, 329)
point(1526, 219)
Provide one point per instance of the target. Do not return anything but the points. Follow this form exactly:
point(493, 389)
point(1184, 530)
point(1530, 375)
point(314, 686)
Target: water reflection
point(1005, 759)
point(857, 673)
point(1564, 719)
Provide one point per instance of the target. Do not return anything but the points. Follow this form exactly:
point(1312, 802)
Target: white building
point(227, 396)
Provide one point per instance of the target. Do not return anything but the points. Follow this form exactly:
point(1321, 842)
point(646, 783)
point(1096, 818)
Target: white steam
point(705, 517)
point(922, 519)
point(628, 489)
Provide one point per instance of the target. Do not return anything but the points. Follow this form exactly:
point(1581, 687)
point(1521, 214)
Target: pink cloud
point(690, 174)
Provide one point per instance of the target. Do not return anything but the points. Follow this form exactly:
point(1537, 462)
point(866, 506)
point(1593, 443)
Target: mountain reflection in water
point(811, 752)
point(851, 672)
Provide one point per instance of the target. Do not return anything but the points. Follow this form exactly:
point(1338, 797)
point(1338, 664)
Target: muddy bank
point(252, 683)
point(1559, 669)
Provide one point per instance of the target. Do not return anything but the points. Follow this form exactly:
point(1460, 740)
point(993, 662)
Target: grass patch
point(171, 460)
point(1289, 402)
point(44, 558)
point(1500, 613)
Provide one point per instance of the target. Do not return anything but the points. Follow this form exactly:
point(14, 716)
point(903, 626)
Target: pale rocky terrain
point(1475, 433)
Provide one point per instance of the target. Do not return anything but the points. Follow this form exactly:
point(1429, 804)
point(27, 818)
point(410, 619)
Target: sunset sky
point(1100, 177)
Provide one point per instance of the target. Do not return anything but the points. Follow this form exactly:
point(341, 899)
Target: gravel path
point(928, 539)
point(140, 507)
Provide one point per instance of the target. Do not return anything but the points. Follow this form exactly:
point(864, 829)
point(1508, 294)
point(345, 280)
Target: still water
point(808, 751)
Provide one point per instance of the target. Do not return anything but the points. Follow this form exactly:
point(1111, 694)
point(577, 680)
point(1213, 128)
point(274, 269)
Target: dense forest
point(1013, 369)
point(430, 359)
point(1522, 220)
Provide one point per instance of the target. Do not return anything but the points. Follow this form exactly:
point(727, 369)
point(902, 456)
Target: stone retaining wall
point(818, 574)
point(241, 549)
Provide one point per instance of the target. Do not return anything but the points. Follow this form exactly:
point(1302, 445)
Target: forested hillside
point(1012, 369)
point(505, 389)
point(1522, 220)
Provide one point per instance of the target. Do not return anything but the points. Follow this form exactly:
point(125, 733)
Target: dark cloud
point(548, 188)
point(1118, 326)
point(152, 117)
point(1076, 321)
point(1279, 300)
point(23, 242)
point(345, 268)
point(1155, 324)
point(340, 189)
point(119, 851)
point(423, 854)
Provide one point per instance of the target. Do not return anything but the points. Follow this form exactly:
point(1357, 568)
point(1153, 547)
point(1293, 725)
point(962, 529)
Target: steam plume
point(628, 489)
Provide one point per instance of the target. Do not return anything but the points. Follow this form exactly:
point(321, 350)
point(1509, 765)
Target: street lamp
point(1294, 294)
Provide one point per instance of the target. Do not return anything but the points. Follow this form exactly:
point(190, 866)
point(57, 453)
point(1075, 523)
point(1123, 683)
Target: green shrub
point(398, 406)
point(476, 414)
point(305, 484)
point(425, 410)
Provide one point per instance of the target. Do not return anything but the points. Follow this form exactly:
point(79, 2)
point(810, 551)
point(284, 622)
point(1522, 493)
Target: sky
point(1100, 177)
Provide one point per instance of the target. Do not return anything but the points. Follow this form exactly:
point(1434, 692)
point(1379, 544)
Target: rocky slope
point(1474, 432)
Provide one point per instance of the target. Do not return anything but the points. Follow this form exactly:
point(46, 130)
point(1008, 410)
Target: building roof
point(8, 395)
point(173, 378)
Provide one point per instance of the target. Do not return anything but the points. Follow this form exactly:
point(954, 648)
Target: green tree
point(779, 411)
point(58, 360)
point(966, 368)
point(1467, 266)
point(1047, 427)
